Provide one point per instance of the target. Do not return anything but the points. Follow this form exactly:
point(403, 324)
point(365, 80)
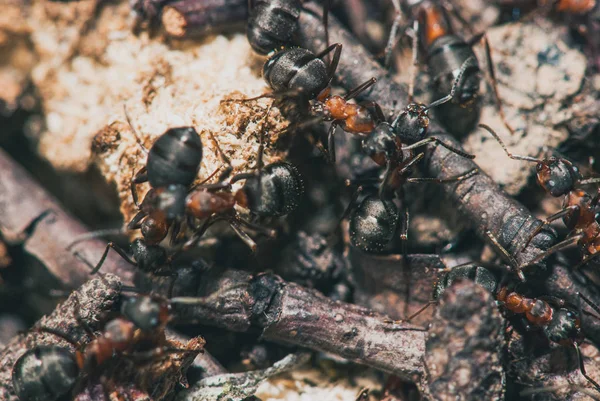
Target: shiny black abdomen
point(281, 192)
point(44, 373)
point(272, 24)
point(175, 157)
point(445, 57)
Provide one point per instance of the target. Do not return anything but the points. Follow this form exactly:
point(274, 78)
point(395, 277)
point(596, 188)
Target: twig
point(29, 215)
point(292, 314)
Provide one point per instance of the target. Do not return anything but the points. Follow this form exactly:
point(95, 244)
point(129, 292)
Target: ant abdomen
point(296, 69)
point(44, 373)
point(281, 190)
point(272, 24)
point(175, 157)
point(146, 313)
point(149, 258)
point(478, 274)
point(373, 224)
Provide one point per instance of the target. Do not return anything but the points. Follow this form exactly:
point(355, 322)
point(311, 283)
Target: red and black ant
point(559, 177)
point(559, 322)
point(450, 60)
point(52, 372)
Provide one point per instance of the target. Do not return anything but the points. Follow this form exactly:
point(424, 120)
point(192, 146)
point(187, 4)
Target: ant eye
point(551, 183)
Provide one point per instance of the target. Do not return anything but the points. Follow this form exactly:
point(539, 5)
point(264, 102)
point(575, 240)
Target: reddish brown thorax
point(202, 204)
point(155, 227)
point(580, 198)
point(116, 338)
point(434, 23)
point(354, 118)
point(536, 311)
point(575, 6)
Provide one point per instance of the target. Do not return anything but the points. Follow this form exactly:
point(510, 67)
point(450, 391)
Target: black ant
point(51, 372)
point(275, 192)
point(558, 177)
point(298, 71)
point(451, 61)
point(172, 166)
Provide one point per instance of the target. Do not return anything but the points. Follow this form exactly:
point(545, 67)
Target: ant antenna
point(582, 367)
point(135, 133)
point(95, 234)
point(514, 157)
point(413, 68)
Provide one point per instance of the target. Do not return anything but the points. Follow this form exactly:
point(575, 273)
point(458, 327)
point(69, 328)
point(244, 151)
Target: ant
point(276, 191)
point(172, 166)
point(559, 177)
point(448, 58)
point(299, 71)
point(51, 372)
point(558, 322)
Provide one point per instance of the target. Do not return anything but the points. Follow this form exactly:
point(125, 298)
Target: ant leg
point(509, 154)
point(421, 310)
point(110, 245)
point(331, 143)
point(235, 225)
point(175, 232)
point(326, 7)
point(585, 260)
point(260, 229)
point(200, 232)
point(394, 35)
point(337, 52)
point(455, 178)
point(413, 67)
point(566, 211)
point(404, 232)
point(135, 223)
point(360, 88)
point(595, 307)
point(588, 181)
point(558, 247)
point(492, 72)
point(140, 177)
point(505, 254)
point(135, 133)
point(433, 139)
point(582, 367)
point(57, 333)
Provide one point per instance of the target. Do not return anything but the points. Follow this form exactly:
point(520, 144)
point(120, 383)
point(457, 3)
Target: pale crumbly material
point(538, 77)
point(88, 73)
point(315, 383)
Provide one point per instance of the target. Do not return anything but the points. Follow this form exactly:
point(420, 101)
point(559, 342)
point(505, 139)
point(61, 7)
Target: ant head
point(319, 109)
point(412, 124)
point(41, 366)
point(145, 312)
point(557, 176)
point(382, 145)
point(149, 258)
point(478, 274)
point(373, 224)
point(154, 228)
point(564, 328)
